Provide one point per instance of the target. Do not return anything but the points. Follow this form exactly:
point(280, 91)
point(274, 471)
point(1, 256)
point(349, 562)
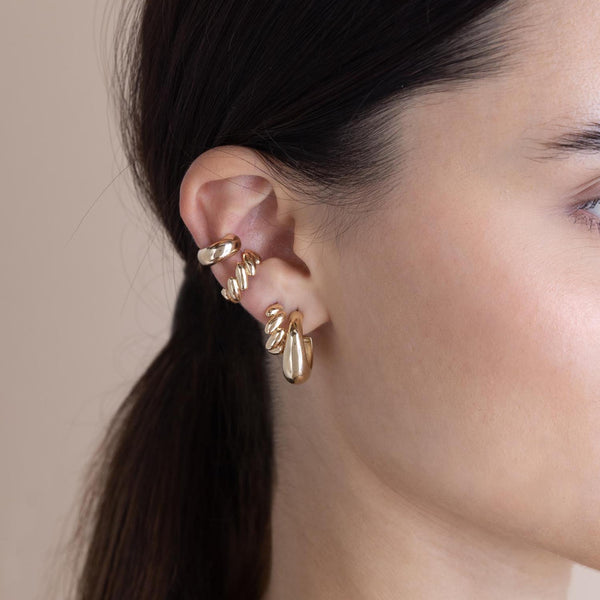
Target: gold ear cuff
point(296, 347)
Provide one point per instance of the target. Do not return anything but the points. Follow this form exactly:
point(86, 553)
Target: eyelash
point(586, 217)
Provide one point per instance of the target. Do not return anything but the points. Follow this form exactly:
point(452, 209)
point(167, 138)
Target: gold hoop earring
point(243, 269)
point(296, 347)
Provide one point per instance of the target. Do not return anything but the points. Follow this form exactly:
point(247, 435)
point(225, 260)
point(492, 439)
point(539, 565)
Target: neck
point(339, 532)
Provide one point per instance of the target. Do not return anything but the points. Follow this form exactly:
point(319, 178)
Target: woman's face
point(468, 306)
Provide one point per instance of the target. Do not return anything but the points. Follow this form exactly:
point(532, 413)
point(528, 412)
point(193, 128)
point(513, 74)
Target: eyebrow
point(584, 138)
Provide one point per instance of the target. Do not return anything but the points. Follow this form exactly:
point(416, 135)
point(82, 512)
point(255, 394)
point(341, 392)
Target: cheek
point(488, 395)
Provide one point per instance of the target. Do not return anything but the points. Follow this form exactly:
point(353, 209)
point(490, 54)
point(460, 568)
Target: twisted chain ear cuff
point(297, 348)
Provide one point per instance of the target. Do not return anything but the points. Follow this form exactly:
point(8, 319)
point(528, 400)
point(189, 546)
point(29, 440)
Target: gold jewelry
point(243, 269)
point(224, 248)
point(296, 347)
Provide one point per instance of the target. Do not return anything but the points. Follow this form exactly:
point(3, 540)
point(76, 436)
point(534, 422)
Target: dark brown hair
point(178, 503)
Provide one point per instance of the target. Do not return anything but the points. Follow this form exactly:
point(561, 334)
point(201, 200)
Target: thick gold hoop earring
point(297, 348)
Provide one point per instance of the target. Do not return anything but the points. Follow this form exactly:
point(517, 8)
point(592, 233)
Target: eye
point(582, 214)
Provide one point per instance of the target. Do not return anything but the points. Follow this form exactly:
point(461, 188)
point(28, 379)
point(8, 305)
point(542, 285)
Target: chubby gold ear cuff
point(297, 348)
point(224, 248)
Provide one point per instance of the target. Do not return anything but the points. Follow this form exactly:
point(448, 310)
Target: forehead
point(558, 74)
point(552, 85)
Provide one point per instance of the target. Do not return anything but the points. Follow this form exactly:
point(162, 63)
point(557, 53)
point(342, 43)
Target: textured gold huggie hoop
point(243, 269)
point(297, 348)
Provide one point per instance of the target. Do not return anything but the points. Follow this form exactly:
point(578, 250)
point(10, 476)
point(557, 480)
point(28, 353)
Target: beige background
point(88, 282)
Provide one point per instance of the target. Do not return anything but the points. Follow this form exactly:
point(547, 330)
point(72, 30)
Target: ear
point(227, 189)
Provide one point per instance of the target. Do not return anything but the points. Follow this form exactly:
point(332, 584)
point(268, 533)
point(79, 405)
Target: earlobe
point(228, 190)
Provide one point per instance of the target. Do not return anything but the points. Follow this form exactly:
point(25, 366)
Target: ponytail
point(186, 467)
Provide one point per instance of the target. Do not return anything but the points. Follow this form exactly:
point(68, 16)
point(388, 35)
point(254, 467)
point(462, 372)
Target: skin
point(447, 443)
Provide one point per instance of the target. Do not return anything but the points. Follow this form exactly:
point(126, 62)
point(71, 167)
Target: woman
point(415, 184)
